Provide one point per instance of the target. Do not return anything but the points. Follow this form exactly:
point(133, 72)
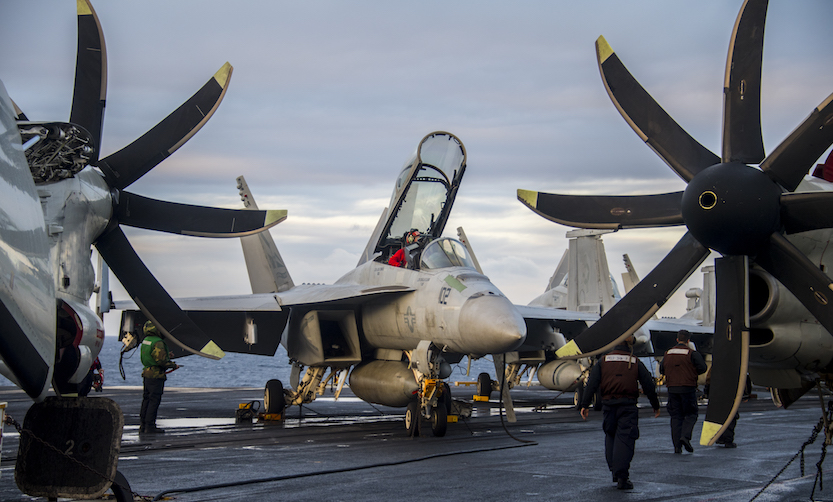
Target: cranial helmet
point(150, 329)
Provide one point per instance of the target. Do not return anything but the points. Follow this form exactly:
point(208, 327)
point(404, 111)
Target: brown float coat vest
point(620, 375)
point(679, 368)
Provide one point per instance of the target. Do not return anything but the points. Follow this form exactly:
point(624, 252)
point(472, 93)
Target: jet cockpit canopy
point(425, 190)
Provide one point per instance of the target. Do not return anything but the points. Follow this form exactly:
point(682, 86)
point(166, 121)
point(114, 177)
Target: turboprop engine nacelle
point(81, 328)
point(560, 375)
point(389, 383)
point(783, 335)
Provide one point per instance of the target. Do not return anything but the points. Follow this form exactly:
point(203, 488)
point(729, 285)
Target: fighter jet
point(415, 304)
point(770, 223)
point(57, 200)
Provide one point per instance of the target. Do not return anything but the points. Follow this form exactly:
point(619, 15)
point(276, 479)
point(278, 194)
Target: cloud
point(327, 100)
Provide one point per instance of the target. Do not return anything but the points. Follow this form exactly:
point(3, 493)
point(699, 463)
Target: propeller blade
point(730, 353)
point(90, 92)
point(794, 157)
point(812, 287)
point(201, 221)
point(676, 147)
point(132, 162)
point(606, 211)
point(632, 311)
point(805, 211)
point(151, 297)
point(742, 140)
point(18, 113)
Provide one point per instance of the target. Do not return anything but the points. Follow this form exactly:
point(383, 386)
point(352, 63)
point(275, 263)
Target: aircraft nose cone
point(491, 324)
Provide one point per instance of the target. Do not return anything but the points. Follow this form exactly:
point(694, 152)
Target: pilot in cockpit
point(400, 258)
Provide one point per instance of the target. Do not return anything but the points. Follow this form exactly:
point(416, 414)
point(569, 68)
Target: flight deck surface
point(350, 450)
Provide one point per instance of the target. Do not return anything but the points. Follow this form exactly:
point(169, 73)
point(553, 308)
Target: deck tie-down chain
point(825, 423)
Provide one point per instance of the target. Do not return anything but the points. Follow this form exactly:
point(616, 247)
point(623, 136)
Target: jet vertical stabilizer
point(583, 270)
point(267, 271)
point(630, 277)
point(589, 285)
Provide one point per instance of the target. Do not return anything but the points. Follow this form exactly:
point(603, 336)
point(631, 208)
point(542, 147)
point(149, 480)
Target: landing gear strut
point(313, 384)
point(434, 396)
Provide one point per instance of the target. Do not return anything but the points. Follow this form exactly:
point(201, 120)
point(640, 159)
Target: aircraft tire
point(579, 394)
point(446, 398)
point(121, 488)
point(412, 419)
point(484, 385)
point(273, 398)
point(439, 421)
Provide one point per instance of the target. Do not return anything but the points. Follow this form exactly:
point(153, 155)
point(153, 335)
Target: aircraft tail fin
point(369, 251)
point(560, 271)
point(589, 284)
point(267, 270)
point(465, 240)
point(629, 278)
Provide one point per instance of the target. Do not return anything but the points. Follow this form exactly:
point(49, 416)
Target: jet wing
point(548, 328)
point(253, 324)
point(664, 333)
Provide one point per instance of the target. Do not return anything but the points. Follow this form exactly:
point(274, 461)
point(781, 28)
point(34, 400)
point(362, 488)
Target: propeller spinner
point(740, 211)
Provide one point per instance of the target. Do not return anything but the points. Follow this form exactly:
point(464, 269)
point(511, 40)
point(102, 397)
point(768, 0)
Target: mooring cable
point(528, 442)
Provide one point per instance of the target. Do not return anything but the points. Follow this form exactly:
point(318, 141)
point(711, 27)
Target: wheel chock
point(269, 417)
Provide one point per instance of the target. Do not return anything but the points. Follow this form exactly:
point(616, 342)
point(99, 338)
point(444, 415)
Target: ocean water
point(234, 370)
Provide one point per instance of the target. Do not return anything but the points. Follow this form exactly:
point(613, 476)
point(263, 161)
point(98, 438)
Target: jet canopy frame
point(445, 252)
point(425, 190)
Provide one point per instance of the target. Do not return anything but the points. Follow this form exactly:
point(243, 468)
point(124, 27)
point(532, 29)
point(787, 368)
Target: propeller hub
point(732, 208)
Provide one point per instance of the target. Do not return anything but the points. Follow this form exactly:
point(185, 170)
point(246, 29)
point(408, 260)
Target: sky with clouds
point(328, 99)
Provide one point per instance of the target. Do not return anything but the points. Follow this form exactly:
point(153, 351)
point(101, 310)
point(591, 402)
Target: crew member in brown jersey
point(681, 365)
point(619, 374)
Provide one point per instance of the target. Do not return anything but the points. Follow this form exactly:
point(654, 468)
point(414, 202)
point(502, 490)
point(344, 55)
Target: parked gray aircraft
point(397, 328)
point(582, 282)
point(771, 223)
point(57, 200)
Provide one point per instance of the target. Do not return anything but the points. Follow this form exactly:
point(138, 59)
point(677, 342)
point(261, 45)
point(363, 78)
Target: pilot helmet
point(412, 236)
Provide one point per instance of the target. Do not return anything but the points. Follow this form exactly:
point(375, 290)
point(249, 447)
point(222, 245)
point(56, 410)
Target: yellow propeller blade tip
point(212, 349)
point(528, 197)
point(275, 216)
point(571, 349)
point(223, 74)
point(83, 8)
point(709, 431)
point(603, 49)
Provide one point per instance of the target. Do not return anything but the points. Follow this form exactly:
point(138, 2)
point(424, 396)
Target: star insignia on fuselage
point(410, 319)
